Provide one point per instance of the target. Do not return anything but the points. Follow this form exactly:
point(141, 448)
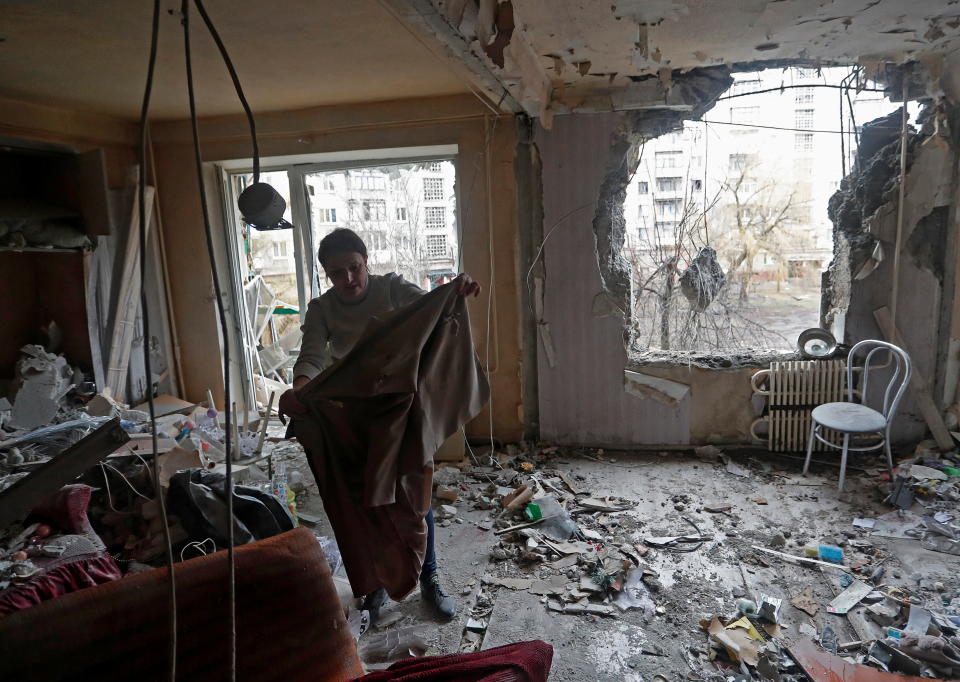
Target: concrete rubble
point(674, 546)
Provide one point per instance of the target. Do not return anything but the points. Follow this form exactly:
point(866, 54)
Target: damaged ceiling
point(555, 56)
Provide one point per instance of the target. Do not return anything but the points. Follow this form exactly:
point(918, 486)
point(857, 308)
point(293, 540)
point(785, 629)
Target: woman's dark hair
point(341, 240)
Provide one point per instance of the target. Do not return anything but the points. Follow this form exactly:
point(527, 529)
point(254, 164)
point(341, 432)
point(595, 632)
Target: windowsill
point(744, 359)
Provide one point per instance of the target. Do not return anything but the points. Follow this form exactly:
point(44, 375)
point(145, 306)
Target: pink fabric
point(67, 511)
point(522, 662)
point(76, 574)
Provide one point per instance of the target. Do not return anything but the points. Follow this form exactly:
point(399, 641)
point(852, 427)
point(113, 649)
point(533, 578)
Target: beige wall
point(75, 130)
point(488, 216)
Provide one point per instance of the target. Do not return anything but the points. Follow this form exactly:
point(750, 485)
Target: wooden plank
point(918, 384)
point(17, 500)
point(128, 302)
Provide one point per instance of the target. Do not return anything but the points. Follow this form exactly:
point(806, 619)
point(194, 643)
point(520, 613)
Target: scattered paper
point(806, 602)
point(849, 598)
point(923, 473)
point(740, 639)
point(864, 523)
point(897, 524)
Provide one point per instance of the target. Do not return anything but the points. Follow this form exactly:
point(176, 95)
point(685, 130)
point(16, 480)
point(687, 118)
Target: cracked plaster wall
point(864, 212)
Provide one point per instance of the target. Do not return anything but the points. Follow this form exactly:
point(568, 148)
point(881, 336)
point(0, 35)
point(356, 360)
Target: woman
point(333, 324)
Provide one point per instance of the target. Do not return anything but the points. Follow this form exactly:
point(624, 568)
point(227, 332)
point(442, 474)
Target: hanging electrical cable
point(145, 316)
point(222, 316)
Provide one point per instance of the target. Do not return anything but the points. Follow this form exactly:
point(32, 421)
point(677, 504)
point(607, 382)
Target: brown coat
point(376, 418)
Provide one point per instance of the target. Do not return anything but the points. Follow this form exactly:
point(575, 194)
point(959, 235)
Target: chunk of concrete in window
point(666, 391)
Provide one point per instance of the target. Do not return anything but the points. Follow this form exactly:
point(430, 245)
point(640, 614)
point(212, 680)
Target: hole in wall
point(714, 234)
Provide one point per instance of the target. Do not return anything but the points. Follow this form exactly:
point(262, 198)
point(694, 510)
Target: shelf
point(38, 249)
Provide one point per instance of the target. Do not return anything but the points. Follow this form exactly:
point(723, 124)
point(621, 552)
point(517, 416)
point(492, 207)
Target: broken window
point(728, 253)
point(433, 189)
point(277, 270)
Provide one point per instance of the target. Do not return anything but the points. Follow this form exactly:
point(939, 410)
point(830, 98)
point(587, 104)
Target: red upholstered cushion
point(290, 625)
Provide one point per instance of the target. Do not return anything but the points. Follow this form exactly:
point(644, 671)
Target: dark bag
point(198, 498)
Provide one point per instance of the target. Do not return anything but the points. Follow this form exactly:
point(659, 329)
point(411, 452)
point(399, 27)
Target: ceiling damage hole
point(766, 47)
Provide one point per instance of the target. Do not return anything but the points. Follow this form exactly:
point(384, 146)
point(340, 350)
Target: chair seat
point(849, 417)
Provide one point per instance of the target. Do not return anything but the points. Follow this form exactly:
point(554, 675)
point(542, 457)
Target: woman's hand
point(290, 404)
point(466, 286)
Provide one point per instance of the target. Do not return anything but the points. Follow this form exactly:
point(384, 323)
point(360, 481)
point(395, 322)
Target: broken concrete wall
point(861, 277)
point(582, 351)
point(693, 94)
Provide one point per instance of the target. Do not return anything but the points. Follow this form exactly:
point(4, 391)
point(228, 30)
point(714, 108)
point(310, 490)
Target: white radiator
point(792, 389)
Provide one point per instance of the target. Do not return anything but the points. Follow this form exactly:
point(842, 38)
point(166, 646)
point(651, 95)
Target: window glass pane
point(395, 209)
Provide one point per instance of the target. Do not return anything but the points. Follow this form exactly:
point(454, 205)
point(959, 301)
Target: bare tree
point(746, 217)
point(756, 218)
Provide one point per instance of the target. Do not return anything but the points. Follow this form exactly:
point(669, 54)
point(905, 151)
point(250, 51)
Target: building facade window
point(806, 74)
point(803, 142)
point(327, 215)
point(369, 182)
point(742, 87)
point(803, 119)
point(433, 166)
point(668, 209)
point(436, 245)
point(375, 241)
point(696, 185)
point(744, 114)
point(668, 159)
point(435, 217)
point(738, 162)
point(326, 184)
point(374, 209)
point(669, 184)
point(433, 189)
point(402, 213)
point(279, 249)
point(643, 188)
point(803, 96)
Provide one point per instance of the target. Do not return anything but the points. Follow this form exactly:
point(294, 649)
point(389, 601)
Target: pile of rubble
point(583, 555)
point(114, 515)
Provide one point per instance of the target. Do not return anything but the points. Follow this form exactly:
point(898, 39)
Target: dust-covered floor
point(772, 507)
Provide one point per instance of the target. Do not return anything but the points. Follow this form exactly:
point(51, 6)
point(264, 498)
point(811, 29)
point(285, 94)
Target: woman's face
point(347, 271)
